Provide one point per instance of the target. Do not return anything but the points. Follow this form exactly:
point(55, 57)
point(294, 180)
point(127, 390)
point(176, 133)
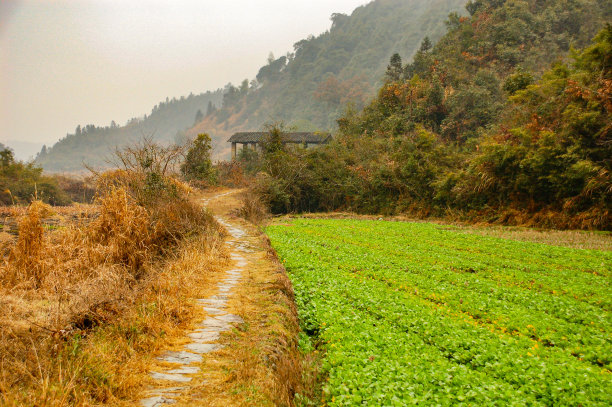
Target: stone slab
point(170, 377)
point(231, 318)
point(215, 324)
point(204, 336)
point(214, 311)
point(182, 357)
point(166, 390)
point(203, 347)
point(156, 401)
point(219, 297)
point(213, 302)
point(185, 370)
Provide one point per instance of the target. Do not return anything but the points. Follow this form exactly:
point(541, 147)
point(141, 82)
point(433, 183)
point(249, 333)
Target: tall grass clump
point(68, 296)
point(252, 208)
point(27, 257)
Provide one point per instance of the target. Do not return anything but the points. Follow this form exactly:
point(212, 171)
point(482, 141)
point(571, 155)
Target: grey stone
point(217, 324)
point(213, 303)
point(231, 318)
point(185, 370)
point(219, 297)
point(204, 336)
point(156, 401)
point(203, 347)
point(161, 392)
point(182, 357)
point(214, 311)
point(171, 377)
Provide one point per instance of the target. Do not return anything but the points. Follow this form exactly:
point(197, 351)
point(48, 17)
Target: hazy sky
point(69, 62)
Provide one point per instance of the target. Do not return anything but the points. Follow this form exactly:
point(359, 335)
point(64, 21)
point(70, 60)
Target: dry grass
point(252, 208)
point(577, 239)
point(596, 218)
point(83, 307)
point(261, 364)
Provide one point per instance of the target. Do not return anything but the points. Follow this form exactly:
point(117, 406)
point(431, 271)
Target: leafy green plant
point(198, 164)
point(417, 313)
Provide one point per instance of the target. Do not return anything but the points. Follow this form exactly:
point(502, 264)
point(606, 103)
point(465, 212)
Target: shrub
point(22, 183)
point(198, 165)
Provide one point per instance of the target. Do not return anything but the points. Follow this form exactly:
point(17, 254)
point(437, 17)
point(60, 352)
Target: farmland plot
point(415, 313)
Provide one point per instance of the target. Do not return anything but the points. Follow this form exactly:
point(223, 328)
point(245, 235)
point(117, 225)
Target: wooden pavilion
point(254, 139)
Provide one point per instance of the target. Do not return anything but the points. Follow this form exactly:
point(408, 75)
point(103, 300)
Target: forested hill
point(93, 145)
point(310, 87)
point(507, 118)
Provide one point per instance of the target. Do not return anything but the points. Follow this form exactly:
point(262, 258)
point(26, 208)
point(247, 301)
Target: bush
point(198, 165)
point(22, 183)
point(252, 208)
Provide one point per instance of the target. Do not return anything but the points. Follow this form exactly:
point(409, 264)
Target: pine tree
point(198, 117)
point(198, 165)
point(394, 69)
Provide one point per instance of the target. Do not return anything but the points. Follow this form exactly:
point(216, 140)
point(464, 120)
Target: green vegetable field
point(418, 313)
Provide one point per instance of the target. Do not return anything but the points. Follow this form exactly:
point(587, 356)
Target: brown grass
point(260, 365)
point(83, 307)
point(231, 174)
point(577, 239)
point(252, 208)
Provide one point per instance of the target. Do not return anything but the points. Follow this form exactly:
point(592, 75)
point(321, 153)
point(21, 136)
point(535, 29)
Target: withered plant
point(78, 303)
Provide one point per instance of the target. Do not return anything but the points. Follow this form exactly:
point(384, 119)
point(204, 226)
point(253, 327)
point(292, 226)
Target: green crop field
point(418, 313)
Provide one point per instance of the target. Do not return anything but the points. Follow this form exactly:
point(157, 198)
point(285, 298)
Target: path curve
point(174, 381)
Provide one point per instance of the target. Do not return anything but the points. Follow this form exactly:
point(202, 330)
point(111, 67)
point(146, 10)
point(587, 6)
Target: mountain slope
point(501, 120)
point(308, 88)
point(93, 145)
point(311, 87)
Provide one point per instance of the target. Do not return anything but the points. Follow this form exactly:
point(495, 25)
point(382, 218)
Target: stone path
point(173, 381)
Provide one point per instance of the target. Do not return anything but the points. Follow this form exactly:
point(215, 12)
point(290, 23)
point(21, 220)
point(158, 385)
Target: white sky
point(69, 62)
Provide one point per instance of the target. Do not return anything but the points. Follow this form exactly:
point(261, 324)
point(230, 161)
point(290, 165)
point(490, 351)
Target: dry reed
point(252, 208)
point(81, 307)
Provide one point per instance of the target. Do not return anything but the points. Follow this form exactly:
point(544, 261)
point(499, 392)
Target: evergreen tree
point(394, 69)
point(210, 109)
point(425, 45)
point(198, 117)
point(198, 164)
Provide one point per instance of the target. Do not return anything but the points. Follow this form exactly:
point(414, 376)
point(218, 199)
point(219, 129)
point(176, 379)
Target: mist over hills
point(93, 145)
point(311, 87)
point(24, 150)
point(308, 88)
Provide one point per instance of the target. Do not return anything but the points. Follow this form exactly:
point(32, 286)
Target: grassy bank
point(85, 305)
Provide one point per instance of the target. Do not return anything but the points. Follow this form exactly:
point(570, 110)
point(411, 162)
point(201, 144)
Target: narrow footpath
point(243, 352)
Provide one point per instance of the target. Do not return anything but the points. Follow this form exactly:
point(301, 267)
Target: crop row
point(401, 323)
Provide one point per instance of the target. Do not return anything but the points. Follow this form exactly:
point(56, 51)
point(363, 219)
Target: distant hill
point(308, 88)
point(93, 145)
point(24, 150)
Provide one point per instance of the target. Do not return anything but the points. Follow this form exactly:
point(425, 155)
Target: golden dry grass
point(83, 307)
point(260, 364)
point(577, 239)
point(252, 208)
